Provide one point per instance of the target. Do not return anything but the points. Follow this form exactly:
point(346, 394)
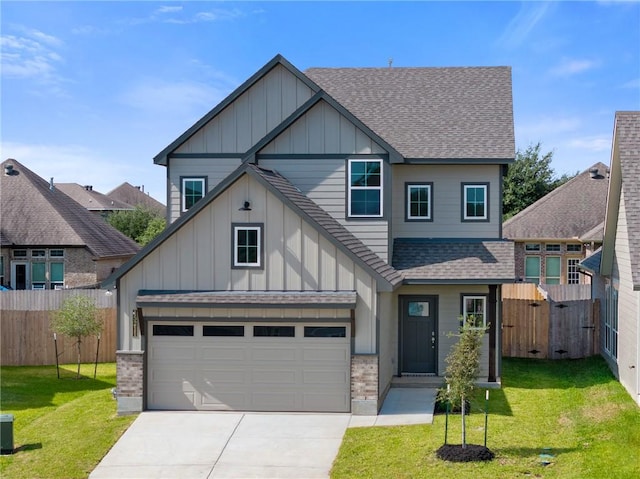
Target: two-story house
point(328, 231)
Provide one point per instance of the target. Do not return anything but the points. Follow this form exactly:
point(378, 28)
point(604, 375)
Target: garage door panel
point(263, 373)
point(223, 353)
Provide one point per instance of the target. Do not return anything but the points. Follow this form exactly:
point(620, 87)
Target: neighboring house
point(616, 266)
point(92, 200)
point(48, 241)
point(329, 230)
point(135, 196)
point(559, 230)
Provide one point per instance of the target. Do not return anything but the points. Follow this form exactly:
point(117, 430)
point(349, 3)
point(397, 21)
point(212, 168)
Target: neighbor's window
point(193, 189)
point(19, 253)
point(573, 275)
point(532, 247)
point(38, 253)
point(38, 275)
point(365, 188)
point(474, 309)
point(1, 269)
point(552, 270)
point(574, 248)
point(56, 253)
point(247, 246)
point(475, 199)
point(532, 269)
point(419, 202)
point(552, 247)
point(56, 271)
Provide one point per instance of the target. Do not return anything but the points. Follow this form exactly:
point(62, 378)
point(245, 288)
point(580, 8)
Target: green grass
point(62, 427)
point(575, 408)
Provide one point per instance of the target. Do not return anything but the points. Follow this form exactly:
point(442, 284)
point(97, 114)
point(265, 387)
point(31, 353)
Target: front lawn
point(62, 427)
point(572, 415)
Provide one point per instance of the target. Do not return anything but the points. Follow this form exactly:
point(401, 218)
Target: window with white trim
point(574, 248)
point(534, 247)
point(419, 200)
point(532, 269)
point(475, 202)
point(38, 275)
point(56, 275)
point(552, 270)
point(573, 275)
point(365, 188)
point(474, 309)
point(247, 246)
point(193, 189)
point(552, 247)
point(56, 253)
point(38, 253)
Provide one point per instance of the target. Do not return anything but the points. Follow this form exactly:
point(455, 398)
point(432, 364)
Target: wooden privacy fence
point(26, 338)
point(554, 322)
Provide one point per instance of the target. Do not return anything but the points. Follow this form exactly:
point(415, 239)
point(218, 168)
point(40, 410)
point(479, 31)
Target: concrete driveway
point(218, 445)
point(202, 445)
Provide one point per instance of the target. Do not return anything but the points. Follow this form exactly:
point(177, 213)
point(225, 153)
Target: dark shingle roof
point(243, 299)
point(90, 199)
point(33, 214)
point(627, 144)
point(326, 222)
point(133, 196)
point(435, 113)
point(574, 210)
point(453, 260)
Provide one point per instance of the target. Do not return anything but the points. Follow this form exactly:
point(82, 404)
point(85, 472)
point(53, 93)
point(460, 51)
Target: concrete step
point(417, 382)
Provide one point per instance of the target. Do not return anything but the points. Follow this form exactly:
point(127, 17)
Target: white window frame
point(573, 274)
point(429, 188)
point(465, 188)
point(465, 313)
point(528, 279)
point(570, 248)
point(546, 269)
point(532, 247)
point(52, 255)
point(56, 284)
point(183, 189)
point(553, 247)
point(236, 262)
point(351, 188)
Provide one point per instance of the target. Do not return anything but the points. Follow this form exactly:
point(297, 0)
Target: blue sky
point(91, 90)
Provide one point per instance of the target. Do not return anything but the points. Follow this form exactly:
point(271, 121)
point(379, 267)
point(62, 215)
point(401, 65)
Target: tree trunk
point(464, 423)
point(78, 372)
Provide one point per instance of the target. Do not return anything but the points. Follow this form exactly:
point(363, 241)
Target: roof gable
point(624, 190)
point(327, 226)
point(430, 113)
point(90, 199)
point(573, 210)
point(132, 195)
point(34, 214)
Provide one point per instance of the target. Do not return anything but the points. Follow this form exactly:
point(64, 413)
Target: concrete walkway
point(207, 445)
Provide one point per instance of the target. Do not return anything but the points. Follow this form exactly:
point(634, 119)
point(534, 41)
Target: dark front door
point(20, 277)
point(418, 335)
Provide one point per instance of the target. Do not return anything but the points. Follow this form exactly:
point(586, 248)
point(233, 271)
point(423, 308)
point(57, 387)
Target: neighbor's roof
point(90, 199)
point(574, 210)
point(627, 139)
point(592, 262)
point(243, 299)
point(133, 196)
point(454, 260)
point(33, 214)
point(430, 113)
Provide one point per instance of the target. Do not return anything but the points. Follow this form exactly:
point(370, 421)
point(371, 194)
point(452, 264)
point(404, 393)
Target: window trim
point(539, 258)
point(546, 269)
point(552, 248)
point(475, 219)
point(183, 180)
point(463, 306)
point(259, 227)
point(380, 188)
point(575, 271)
point(407, 203)
point(532, 247)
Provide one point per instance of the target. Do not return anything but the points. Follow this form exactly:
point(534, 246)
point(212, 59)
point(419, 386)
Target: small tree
point(78, 318)
point(463, 368)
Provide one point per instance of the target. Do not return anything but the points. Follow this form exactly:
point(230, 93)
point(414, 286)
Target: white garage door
point(248, 366)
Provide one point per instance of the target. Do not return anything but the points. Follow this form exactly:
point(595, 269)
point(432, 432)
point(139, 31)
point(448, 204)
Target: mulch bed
point(471, 453)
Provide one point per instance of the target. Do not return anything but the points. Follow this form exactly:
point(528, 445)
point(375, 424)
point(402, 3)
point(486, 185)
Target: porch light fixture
point(246, 206)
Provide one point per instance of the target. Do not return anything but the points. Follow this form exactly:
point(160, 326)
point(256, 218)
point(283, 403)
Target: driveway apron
point(204, 445)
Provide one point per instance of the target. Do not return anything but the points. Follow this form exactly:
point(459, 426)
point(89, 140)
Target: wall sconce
point(246, 206)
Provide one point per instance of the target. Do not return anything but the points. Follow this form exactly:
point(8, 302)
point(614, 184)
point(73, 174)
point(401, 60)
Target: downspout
point(493, 331)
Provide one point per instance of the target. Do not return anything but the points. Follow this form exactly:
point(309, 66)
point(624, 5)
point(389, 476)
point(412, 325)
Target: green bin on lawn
point(6, 433)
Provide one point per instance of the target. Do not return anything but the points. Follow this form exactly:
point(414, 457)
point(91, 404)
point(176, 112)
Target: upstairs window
point(552, 247)
point(574, 248)
point(475, 202)
point(419, 201)
point(532, 247)
point(56, 253)
point(247, 246)
point(365, 188)
point(193, 189)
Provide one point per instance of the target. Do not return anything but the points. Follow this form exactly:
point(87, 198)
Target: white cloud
point(521, 26)
point(177, 15)
point(178, 98)
point(73, 163)
point(596, 143)
point(168, 9)
point(568, 67)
